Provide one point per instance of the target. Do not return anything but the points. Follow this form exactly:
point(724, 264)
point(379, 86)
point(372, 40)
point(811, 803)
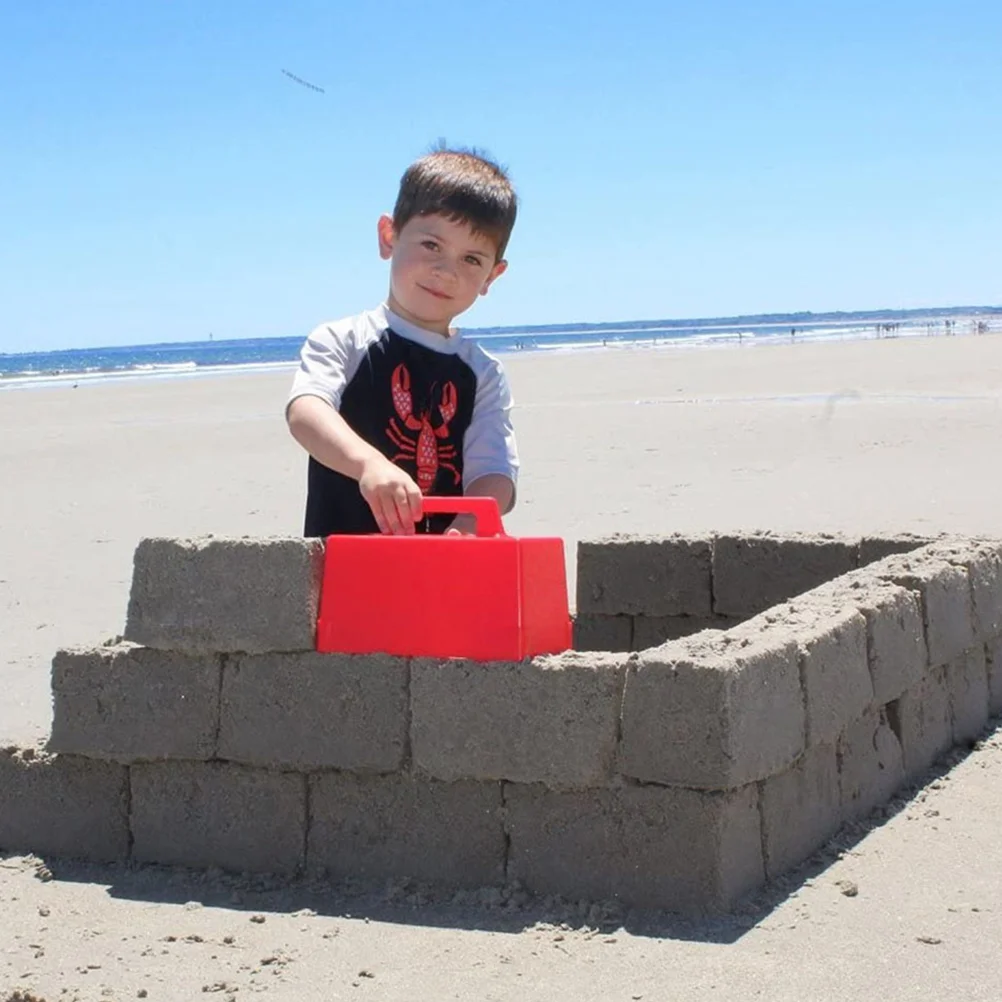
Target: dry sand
point(883, 436)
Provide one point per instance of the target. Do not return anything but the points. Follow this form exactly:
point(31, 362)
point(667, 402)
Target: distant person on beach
point(394, 404)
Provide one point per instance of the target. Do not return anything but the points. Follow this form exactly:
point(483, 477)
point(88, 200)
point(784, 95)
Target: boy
point(393, 404)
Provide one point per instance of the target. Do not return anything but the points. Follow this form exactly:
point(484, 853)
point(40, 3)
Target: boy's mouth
point(432, 292)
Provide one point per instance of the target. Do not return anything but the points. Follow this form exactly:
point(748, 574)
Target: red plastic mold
point(486, 597)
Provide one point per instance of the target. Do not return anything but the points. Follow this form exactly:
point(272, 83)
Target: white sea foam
point(579, 339)
point(180, 370)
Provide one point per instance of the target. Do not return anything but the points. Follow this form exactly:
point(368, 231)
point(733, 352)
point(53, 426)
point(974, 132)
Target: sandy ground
point(881, 436)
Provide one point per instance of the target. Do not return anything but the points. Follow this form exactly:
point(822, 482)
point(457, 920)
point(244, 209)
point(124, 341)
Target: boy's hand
point(392, 495)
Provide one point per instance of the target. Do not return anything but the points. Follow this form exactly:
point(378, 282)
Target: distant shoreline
point(190, 359)
point(802, 318)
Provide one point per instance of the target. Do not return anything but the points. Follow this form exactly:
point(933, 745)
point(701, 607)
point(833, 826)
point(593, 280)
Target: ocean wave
point(89, 377)
point(201, 359)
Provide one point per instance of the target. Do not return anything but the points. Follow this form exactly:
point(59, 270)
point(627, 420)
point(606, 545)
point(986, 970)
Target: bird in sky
point(304, 83)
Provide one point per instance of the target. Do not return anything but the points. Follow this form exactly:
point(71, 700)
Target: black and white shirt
point(439, 408)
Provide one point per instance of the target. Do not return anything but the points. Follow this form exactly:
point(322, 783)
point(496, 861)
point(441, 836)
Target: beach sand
point(878, 436)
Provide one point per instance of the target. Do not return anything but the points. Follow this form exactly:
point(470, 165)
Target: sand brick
point(895, 640)
point(837, 684)
point(596, 631)
point(644, 846)
point(314, 711)
point(552, 720)
point(873, 548)
point(205, 595)
point(895, 635)
point(752, 573)
point(216, 814)
point(985, 570)
point(63, 806)
point(982, 559)
point(652, 631)
point(967, 682)
point(946, 599)
point(871, 768)
point(801, 810)
point(714, 711)
point(921, 719)
point(130, 704)
point(377, 827)
point(649, 577)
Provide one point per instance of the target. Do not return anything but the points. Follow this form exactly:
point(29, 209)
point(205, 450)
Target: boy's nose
point(445, 268)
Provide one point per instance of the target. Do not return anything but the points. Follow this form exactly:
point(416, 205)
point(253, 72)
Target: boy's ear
point(496, 272)
point(387, 236)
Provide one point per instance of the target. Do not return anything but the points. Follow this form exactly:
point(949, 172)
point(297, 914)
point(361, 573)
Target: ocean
point(188, 359)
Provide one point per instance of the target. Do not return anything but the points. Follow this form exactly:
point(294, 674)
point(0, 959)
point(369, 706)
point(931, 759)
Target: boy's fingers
point(383, 509)
point(415, 501)
point(390, 514)
point(377, 510)
point(403, 509)
point(396, 507)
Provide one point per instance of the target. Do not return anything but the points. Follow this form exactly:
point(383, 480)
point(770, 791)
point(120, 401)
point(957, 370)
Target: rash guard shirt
point(439, 408)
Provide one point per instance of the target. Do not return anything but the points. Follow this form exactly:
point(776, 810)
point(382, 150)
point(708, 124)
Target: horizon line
point(801, 316)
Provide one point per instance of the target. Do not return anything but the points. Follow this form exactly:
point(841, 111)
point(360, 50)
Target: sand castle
point(732, 701)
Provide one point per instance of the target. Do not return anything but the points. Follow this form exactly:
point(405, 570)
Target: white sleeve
point(327, 362)
point(489, 443)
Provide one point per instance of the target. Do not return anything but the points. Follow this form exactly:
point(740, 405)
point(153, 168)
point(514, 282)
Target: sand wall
point(808, 679)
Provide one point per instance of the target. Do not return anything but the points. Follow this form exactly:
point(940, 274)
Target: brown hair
point(463, 186)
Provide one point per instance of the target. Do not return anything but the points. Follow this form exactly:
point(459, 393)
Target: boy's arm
point(490, 456)
point(392, 495)
point(491, 485)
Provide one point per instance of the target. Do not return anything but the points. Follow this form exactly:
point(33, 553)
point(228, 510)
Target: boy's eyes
point(432, 245)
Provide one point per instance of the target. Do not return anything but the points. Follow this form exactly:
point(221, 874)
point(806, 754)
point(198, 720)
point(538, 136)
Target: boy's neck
point(444, 330)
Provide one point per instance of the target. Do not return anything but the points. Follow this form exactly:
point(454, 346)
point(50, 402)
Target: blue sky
point(161, 179)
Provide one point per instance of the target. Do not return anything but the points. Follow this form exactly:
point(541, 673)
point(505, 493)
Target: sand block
point(945, 588)
point(921, 718)
point(638, 576)
point(752, 573)
point(993, 657)
point(627, 844)
point(801, 810)
point(652, 631)
point(130, 703)
point(895, 639)
point(831, 637)
point(596, 631)
point(314, 711)
point(207, 595)
point(836, 675)
point(982, 559)
point(837, 682)
point(871, 768)
point(714, 711)
point(552, 720)
point(377, 827)
point(985, 570)
point(895, 635)
point(967, 682)
point(873, 548)
point(63, 805)
point(216, 814)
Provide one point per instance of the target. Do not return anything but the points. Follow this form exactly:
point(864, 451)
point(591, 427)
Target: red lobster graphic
point(428, 453)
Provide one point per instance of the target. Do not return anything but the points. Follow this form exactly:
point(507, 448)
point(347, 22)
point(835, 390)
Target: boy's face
point(438, 268)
